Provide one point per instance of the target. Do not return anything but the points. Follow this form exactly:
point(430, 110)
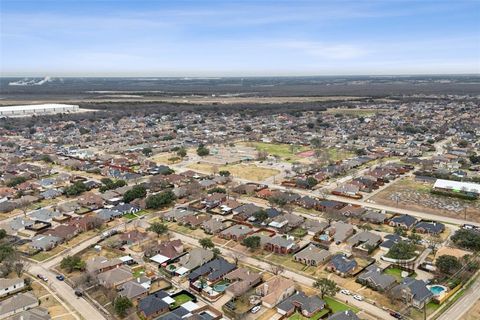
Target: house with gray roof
point(307, 305)
point(107, 214)
point(17, 304)
point(342, 265)
point(237, 232)
point(9, 286)
point(44, 215)
point(412, 291)
point(364, 241)
point(213, 270)
point(312, 255)
point(115, 277)
point(314, 227)
point(430, 227)
point(404, 221)
point(193, 259)
point(133, 290)
point(241, 280)
point(45, 243)
point(339, 231)
point(154, 304)
point(374, 217)
point(344, 315)
point(177, 214)
point(375, 279)
point(37, 313)
point(280, 244)
point(213, 226)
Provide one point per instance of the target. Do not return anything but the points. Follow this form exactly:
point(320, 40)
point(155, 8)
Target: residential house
point(90, 200)
point(280, 244)
point(237, 232)
point(165, 251)
point(241, 280)
point(339, 231)
point(213, 270)
point(37, 313)
point(115, 277)
point(100, 264)
point(17, 304)
point(344, 315)
point(275, 290)
point(9, 286)
point(107, 214)
point(286, 221)
point(245, 211)
point(430, 227)
point(193, 259)
point(389, 241)
point(64, 232)
point(312, 255)
point(133, 290)
point(342, 265)
point(307, 305)
point(45, 243)
point(412, 291)
point(133, 236)
point(155, 304)
point(365, 241)
point(213, 226)
point(314, 227)
point(404, 221)
point(375, 279)
point(374, 217)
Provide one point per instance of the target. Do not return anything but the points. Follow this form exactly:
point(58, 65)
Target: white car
point(255, 309)
point(345, 292)
point(357, 297)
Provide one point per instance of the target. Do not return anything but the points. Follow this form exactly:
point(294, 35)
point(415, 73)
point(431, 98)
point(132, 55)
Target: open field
point(413, 195)
point(242, 171)
point(356, 111)
point(164, 158)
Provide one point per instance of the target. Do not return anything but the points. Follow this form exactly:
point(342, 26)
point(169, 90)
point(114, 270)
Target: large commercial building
point(12, 111)
point(457, 186)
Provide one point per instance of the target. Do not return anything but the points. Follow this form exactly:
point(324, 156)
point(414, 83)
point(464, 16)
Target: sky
point(238, 38)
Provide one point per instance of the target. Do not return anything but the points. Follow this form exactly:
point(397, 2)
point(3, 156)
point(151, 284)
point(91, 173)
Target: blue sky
point(222, 38)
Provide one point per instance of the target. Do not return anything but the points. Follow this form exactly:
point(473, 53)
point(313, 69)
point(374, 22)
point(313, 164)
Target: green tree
point(448, 264)
point(402, 250)
point(75, 189)
point(414, 237)
point(16, 181)
point(182, 152)
point(121, 305)
point(71, 263)
point(206, 243)
point(326, 287)
point(135, 193)
point(160, 200)
point(311, 182)
point(158, 228)
point(217, 190)
point(468, 239)
point(252, 242)
point(216, 252)
point(261, 215)
point(147, 151)
point(3, 234)
point(202, 151)
point(224, 173)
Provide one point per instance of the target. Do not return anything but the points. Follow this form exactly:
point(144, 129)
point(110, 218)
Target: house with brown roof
point(90, 200)
point(275, 290)
point(168, 249)
point(241, 280)
point(133, 236)
point(65, 232)
point(100, 264)
point(115, 277)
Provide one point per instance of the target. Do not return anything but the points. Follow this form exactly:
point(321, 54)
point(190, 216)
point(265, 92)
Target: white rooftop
point(457, 185)
point(34, 107)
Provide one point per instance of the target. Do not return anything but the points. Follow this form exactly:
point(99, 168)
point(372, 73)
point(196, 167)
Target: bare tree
point(276, 269)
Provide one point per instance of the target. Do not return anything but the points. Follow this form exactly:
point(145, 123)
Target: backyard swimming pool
point(437, 290)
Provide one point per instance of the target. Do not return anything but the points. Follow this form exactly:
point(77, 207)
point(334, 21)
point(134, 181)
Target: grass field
point(181, 299)
point(242, 171)
point(337, 306)
point(299, 316)
point(284, 151)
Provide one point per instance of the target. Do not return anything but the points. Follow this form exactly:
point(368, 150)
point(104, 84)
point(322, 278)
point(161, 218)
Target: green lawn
point(134, 215)
point(298, 233)
point(180, 299)
point(418, 314)
point(284, 151)
point(337, 306)
point(316, 316)
point(397, 273)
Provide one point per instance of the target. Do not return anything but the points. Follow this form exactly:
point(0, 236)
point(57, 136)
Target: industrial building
point(38, 109)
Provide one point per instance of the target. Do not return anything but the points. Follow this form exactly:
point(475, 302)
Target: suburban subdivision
point(237, 207)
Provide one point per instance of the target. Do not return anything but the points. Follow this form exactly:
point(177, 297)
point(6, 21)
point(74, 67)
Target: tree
point(19, 267)
point(448, 264)
point(206, 243)
point(160, 200)
point(135, 193)
point(402, 250)
point(217, 190)
point(224, 173)
point(468, 239)
point(311, 182)
point(3, 234)
point(147, 151)
point(400, 231)
point(202, 151)
point(122, 304)
point(75, 189)
point(16, 181)
point(261, 215)
point(414, 237)
point(252, 242)
point(182, 152)
point(158, 228)
point(326, 287)
point(71, 263)
point(216, 252)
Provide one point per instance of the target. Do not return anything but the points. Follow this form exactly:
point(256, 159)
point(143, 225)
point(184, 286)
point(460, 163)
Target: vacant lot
point(415, 195)
point(242, 171)
point(356, 112)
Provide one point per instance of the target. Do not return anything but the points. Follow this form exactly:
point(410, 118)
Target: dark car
point(396, 315)
point(78, 293)
point(60, 277)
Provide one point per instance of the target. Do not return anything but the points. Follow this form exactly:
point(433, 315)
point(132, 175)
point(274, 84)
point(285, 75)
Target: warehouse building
point(38, 109)
point(457, 186)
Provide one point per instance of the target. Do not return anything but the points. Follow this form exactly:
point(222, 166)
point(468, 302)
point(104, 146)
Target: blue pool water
point(220, 287)
point(323, 237)
point(436, 290)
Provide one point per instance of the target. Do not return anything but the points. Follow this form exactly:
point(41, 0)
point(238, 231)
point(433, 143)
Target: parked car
point(358, 297)
point(60, 277)
point(255, 309)
point(345, 292)
point(396, 315)
point(78, 293)
point(42, 277)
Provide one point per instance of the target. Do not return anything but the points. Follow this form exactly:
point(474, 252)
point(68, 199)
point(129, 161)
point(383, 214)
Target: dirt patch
point(413, 195)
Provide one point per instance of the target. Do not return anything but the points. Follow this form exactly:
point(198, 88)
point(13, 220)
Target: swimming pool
point(437, 290)
point(220, 287)
point(323, 237)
